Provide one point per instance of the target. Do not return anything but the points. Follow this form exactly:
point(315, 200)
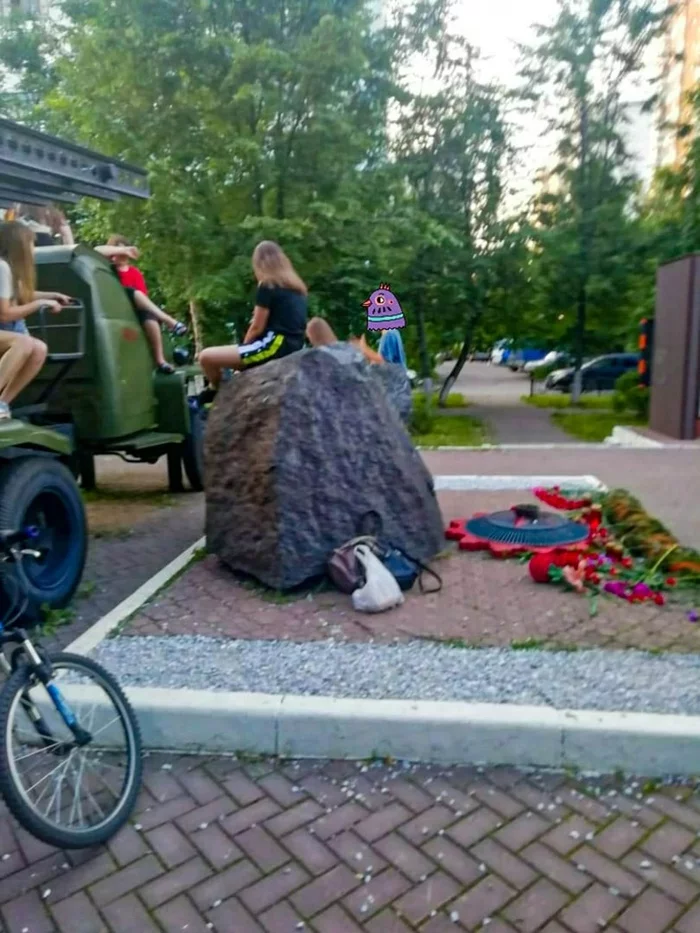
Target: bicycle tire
point(14, 797)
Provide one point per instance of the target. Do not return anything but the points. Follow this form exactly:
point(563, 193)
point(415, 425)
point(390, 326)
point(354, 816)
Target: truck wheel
point(42, 492)
point(193, 447)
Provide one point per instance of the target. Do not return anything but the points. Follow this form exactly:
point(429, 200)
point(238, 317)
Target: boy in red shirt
point(119, 251)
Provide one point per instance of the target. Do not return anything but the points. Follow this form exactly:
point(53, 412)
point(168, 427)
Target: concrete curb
point(203, 722)
point(629, 438)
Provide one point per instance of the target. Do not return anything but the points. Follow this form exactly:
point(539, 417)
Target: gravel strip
point(592, 679)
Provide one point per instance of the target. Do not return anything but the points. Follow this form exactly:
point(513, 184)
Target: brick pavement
point(338, 847)
point(483, 602)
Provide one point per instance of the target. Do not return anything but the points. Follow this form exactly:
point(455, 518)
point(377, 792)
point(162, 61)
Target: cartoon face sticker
point(383, 310)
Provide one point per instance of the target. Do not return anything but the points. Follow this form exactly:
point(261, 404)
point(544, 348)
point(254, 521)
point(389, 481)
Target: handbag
point(380, 590)
point(407, 569)
point(344, 568)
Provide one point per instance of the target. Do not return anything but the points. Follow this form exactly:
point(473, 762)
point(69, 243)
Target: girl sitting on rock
point(278, 323)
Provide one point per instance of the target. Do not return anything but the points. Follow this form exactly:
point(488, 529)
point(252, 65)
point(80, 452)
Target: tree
point(579, 68)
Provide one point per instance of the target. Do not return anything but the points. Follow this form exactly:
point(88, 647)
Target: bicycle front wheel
point(69, 792)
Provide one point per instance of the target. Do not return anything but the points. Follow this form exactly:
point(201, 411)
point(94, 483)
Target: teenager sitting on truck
point(121, 253)
point(277, 326)
point(21, 356)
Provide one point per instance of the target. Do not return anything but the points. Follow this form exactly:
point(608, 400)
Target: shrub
point(629, 395)
point(423, 415)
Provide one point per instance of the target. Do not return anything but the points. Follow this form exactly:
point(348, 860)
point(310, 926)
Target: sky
point(496, 27)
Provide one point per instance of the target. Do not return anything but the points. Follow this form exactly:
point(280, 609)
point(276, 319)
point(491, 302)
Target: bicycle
point(45, 722)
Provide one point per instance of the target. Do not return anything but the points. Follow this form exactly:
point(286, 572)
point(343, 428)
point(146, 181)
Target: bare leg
point(33, 358)
point(155, 339)
point(320, 333)
point(214, 359)
point(145, 304)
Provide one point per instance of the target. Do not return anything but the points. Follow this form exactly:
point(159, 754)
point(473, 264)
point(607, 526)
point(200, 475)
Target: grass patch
point(453, 400)
point(593, 426)
point(560, 400)
point(452, 431)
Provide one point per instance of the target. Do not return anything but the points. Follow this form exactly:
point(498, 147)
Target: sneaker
point(179, 330)
point(5, 413)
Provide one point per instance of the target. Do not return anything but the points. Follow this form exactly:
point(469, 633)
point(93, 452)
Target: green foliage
point(452, 431)
point(422, 414)
point(593, 426)
point(629, 395)
point(560, 400)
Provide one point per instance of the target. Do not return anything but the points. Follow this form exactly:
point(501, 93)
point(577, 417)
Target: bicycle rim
point(62, 793)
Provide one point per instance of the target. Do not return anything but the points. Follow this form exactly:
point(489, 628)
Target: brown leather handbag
point(344, 568)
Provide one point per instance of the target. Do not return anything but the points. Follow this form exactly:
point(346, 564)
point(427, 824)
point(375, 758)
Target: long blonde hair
point(272, 267)
point(16, 248)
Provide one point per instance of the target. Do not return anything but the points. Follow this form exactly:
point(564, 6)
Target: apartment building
point(680, 74)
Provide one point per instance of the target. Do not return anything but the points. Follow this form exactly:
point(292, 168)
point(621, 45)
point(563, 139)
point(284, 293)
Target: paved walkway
point(494, 394)
point(344, 848)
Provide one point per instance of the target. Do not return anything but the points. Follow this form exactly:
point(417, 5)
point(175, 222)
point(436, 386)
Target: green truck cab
point(98, 392)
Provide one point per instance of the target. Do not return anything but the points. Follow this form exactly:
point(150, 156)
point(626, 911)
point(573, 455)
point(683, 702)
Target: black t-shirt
point(287, 311)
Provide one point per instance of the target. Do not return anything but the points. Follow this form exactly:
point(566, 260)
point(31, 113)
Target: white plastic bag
point(381, 591)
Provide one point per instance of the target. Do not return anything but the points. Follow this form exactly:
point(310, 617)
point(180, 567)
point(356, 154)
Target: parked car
point(553, 358)
point(480, 356)
point(500, 352)
point(598, 375)
point(523, 355)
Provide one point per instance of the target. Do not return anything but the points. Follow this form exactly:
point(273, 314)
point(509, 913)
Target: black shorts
point(270, 346)
point(142, 315)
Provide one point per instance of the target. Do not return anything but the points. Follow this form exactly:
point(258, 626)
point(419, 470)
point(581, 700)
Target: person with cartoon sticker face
point(383, 310)
point(384, 314)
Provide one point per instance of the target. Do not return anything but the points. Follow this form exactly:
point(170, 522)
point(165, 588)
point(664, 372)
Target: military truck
point(98, 392)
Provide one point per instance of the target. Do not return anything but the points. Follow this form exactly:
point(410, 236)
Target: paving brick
point(126, 880)
point(262, 849)
point(508, 806)
point(27, 913)
point(679, 812)
point(535, 907)
point(249, 816)
point(503, 863)
point(292, 819)
point(483, 900)
point(453, 860)
point(385, 922)
point(313, 854)
point(380, 824)
point(618, 838)
point(474, 827)
point(224, 884)
point(690, 921)
point(410, 796)
point(77, 878)
point(200, 786)
point(371, 897)
point(653, 912)
point(608, 872)
point(343, 818)
point(521, 831)
point(127, 845)
point(214, 811)
point(359, 855)
point(174, 882)
point(164, 812)
point(33, 875)
point(216, 847)
point(426, 897)
point(162, 785)
point(569, 835)
point(76, 914)
point(232, 917)
point(427, 824)
point(242, 789)
point(128, 915)
point(549, 864)
point(179, 915)
point(315, 897)
point(668, 840)
point(171, 847)
point(333, 920)
point(656, 874)
point(273, 888)
point(404, 856)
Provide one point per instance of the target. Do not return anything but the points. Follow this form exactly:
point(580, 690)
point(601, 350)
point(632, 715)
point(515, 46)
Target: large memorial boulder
point(298, 452)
